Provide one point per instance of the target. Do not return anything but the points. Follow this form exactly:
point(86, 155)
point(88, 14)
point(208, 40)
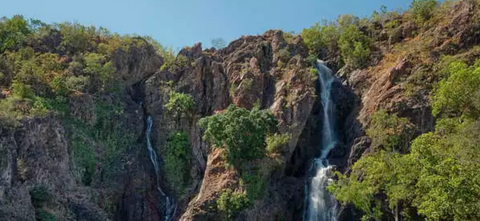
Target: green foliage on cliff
point(177, 161)
point(389, 131)
point(255, 185)
point(276, 141)
point(354, 45)
point(230, 203)
point(96, 65)
point(97, 151)
point(342, 37)
point(174, 64)
point(13, 32)
point(245, 134)
point(438, 178)
point(240, 131)
point(423, 10)
point(459, 93)
point(321, 39)
point(180, 105)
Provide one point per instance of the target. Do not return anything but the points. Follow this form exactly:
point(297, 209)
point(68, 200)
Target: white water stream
point(320, 205)
point(170, 206)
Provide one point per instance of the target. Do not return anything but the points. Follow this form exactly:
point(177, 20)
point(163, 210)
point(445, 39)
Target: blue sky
point(181, 23)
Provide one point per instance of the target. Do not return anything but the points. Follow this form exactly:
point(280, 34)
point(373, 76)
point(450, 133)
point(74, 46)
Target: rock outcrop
point(265, 70)
point(269, 71)
point(38, 155)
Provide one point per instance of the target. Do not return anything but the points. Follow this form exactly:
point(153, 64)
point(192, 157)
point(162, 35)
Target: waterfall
point(170, 206)
point(319, 204)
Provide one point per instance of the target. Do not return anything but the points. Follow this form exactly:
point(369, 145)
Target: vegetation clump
point(439, 170)
point(240, 131)
point(276, 141)
point(180, 105)
point(389, 131)
point(177, 161)
point(423, 10)
point(343, 36)
point(230, 203)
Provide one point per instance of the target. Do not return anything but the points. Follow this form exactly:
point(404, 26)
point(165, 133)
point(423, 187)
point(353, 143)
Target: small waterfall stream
point(319, 204)
point(170, 207)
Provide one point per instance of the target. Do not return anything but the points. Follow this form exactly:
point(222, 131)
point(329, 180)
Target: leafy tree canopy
point(240, 131)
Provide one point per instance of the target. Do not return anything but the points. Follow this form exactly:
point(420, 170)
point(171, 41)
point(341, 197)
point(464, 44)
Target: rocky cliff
point(88, 159)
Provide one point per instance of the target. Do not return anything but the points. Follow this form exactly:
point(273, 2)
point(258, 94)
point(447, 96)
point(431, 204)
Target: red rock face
point(250, 71)
point(268, 70)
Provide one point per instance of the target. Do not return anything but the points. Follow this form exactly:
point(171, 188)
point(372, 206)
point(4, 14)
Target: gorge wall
point(39, 167)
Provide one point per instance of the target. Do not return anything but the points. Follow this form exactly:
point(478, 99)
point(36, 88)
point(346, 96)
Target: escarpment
point(74, 118)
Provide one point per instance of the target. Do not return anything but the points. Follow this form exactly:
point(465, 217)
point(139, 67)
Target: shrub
point(389, 131)
point(241, 131)
point(13, 32)
point(116, 143)
point(168, 57)
point(174, 65)
point(288, 36)
point(76, 83)
point(96, 65)
point(320, 40)
point(40, 107)
point(109, 137)
point(9, 115)
point(354, 46)
point(423, 10)
point(231, 203)
point(439, 171)
point(458, 93)
point(180, 104)
point(255, 185)
point(284, 54)
point(347, 20)
point(84, 157)
point(177, 161)
point(76, 38)
point(360, 190)
point(22, 91)
point(277, 141)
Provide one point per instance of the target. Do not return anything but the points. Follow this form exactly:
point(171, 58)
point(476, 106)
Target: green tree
point(321, 39)
point(423, 10)
point(438, 178)
point(389, 131)
point(354, 45)
point(96, 65)
point(231, 203)
point(459, 92)
point(180, 105)
point(240, 131)
point(13, 32)
point(76, 38)
point(177, 161)
point(168, 56)
point(276, 141)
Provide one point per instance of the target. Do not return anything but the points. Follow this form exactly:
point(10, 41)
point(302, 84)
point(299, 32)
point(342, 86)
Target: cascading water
point(170, 206)
point(319, 204)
